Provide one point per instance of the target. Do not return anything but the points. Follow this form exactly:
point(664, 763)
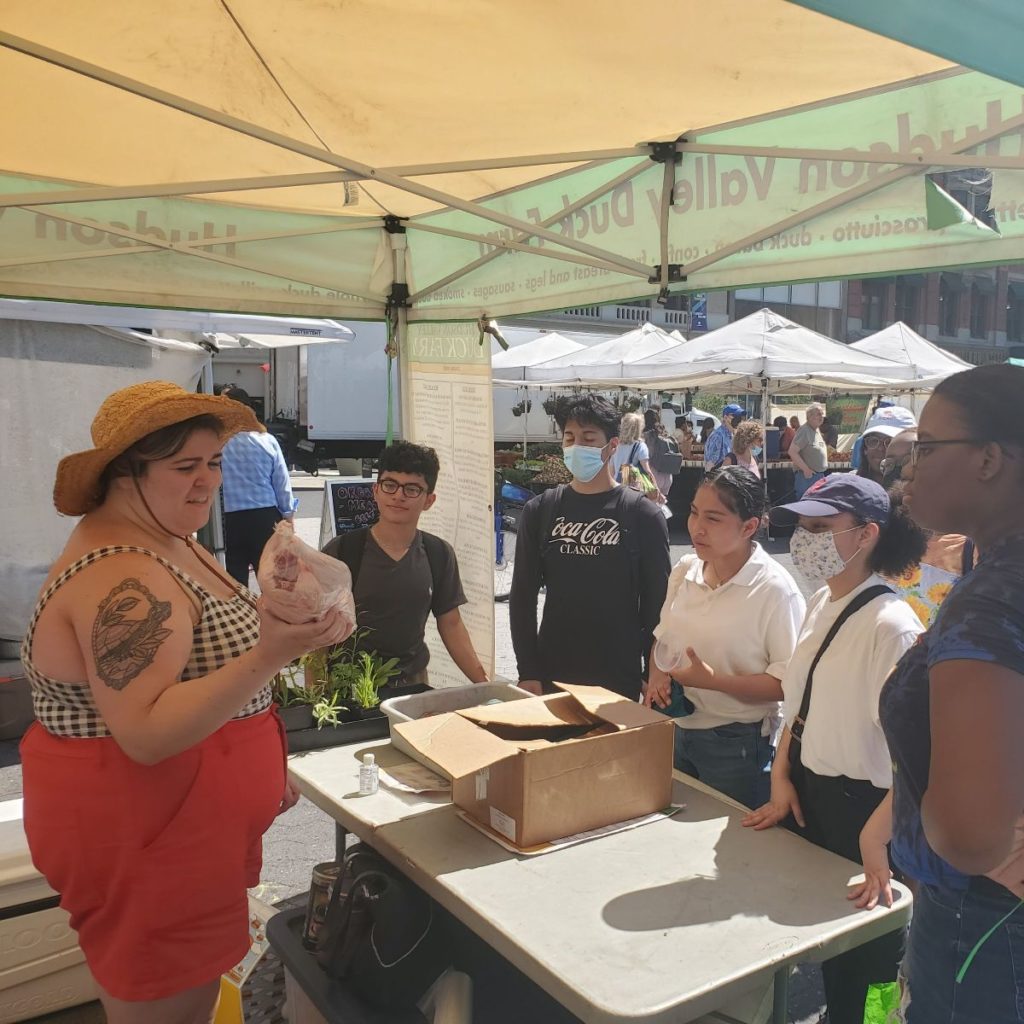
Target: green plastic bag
point(883, 1003)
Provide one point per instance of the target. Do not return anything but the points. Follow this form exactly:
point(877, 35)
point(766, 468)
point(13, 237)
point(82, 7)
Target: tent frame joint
point(398, 297)
point(663, 152)
point(675, 274)
point(394, 225)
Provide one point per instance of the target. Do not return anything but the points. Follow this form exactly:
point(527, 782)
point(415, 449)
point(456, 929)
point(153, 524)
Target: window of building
point(1015, 312)
point(873, 299)
point(909, 292)
point(981, 310)
point(950, 287)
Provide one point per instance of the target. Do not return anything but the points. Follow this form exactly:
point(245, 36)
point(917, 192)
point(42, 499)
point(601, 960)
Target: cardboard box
point(549, 767)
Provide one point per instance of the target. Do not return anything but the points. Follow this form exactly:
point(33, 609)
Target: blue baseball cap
point(840, 492)
point(734, 410)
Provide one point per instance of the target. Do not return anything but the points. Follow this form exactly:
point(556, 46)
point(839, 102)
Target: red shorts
point(152, 861)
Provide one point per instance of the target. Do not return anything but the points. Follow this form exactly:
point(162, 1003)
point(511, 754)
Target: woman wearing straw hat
point(157, 761)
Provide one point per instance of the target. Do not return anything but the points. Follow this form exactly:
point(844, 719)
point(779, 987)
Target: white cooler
point(41, 967)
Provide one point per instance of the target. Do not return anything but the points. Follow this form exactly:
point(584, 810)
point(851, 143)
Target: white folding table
point(668, 922)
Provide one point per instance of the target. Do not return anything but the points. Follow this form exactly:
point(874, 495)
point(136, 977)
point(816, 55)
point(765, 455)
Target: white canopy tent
point(900, 344)
point(512, 364)
point(765, 351)
point(606, 361)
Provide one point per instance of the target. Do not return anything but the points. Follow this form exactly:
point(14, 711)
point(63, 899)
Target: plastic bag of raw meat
point(299, 583)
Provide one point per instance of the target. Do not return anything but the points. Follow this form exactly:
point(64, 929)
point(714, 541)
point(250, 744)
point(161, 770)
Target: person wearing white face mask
point(602, 552)
point(832, 774)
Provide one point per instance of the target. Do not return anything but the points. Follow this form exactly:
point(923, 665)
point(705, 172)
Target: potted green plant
point(373, 673)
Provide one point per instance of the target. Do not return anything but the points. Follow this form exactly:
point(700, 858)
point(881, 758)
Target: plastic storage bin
point(437, 702)
point(41, 967)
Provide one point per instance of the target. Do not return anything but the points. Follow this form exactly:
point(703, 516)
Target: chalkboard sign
point(348, 505)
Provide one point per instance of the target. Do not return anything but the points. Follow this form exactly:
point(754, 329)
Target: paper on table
point(580, 837)
point(412, 777)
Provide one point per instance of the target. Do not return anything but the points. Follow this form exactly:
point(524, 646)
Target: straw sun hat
point(127, 416)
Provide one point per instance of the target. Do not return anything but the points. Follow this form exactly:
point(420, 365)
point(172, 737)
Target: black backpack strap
point(348, 548)
point(436, 551)
point(863, 598)
point(967, 558)
point(546, 509)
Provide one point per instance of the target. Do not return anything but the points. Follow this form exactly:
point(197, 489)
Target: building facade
point(975, 313)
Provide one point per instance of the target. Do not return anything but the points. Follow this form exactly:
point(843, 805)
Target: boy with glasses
point(400, 574)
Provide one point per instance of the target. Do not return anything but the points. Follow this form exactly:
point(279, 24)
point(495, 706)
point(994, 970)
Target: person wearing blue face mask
point(602, 552)
point(747, 447)
point(832, 778)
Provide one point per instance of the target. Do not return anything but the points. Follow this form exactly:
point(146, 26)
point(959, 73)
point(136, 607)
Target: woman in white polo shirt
point(728, 628)
point(838, 787)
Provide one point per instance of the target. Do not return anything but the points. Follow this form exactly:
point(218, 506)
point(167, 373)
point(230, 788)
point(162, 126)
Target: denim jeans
point(801, 483)
point(945, 928)
point(735, 759)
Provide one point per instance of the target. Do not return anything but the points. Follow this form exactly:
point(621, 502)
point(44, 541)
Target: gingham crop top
point(226, 629)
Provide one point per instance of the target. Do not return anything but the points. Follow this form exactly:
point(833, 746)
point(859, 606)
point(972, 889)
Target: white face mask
point(816, 556)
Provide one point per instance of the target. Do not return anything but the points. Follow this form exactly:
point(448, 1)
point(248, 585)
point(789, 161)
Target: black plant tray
point(373, 727)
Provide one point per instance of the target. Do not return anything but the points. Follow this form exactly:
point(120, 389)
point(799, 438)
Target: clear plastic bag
point(299, 583)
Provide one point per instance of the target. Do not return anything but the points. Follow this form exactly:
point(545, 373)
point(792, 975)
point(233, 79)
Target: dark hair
point(741, 492)
point(588, 411)
point(780, 422)
point(236, 394)
point(901, 542)
point(708, 422)
point(989, 400)
point(651, 419)
point(414, 459)
point(681, 422)
point(160, 444)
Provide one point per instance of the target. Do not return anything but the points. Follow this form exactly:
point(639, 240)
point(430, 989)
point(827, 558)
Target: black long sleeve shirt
point(605, 562)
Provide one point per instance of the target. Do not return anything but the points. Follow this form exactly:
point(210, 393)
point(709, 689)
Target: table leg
point(780, 998)
point(340, 837)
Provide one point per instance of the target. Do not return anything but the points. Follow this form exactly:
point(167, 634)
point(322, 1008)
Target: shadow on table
point(746, 883)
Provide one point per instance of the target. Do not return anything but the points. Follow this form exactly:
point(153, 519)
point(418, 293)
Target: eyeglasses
point(389, 486)
point(876, 441)
point(919, 448)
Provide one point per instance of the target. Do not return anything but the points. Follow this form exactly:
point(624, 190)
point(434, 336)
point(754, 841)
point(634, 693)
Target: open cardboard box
point(549, 767)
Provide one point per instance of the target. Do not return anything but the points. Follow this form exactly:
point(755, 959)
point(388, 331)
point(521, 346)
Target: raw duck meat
point(299, 583)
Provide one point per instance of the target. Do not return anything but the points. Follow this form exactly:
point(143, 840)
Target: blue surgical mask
point(583, 461)
point(756, 451)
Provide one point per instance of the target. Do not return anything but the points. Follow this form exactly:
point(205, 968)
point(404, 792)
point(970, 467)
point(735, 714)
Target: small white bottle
point(368, 778)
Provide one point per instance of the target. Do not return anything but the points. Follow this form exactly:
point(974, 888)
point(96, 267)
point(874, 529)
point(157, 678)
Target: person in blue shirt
point(953, 715)
point(719, 444)
point(257, 494)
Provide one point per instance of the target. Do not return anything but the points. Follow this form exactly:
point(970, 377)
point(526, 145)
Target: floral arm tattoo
point(128, 633)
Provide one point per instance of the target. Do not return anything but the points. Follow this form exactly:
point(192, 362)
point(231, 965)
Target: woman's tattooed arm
point(128, 632)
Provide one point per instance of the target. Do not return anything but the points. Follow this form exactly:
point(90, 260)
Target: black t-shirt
point(605, 563)
point(394, 598)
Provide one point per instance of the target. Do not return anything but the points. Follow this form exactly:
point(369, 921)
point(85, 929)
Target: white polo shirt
point(843, 735)
point(747, 626)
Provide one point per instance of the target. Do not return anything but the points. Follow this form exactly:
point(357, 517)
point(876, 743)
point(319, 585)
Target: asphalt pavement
point(304, 836)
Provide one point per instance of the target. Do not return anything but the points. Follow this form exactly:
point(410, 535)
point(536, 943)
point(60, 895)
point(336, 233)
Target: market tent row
point(762, 351)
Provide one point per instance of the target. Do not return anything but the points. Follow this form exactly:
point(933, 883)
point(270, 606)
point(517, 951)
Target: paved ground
point(304, 836)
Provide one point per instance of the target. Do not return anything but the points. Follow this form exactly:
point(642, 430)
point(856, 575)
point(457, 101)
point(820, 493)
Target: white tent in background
point(604, 362)
point(511, 364)
point(765, 351)
point(902, 345)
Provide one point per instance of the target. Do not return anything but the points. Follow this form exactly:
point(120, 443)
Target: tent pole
point(533, 250)
point(905, 158)
point(197, 249)
point(285, 142)
point(398, 317)
point(155, 190)
point(849, 196)
point(601, 190)
point(526, 419)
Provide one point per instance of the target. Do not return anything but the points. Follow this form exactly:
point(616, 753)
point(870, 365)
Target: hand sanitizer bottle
point(368, 778)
